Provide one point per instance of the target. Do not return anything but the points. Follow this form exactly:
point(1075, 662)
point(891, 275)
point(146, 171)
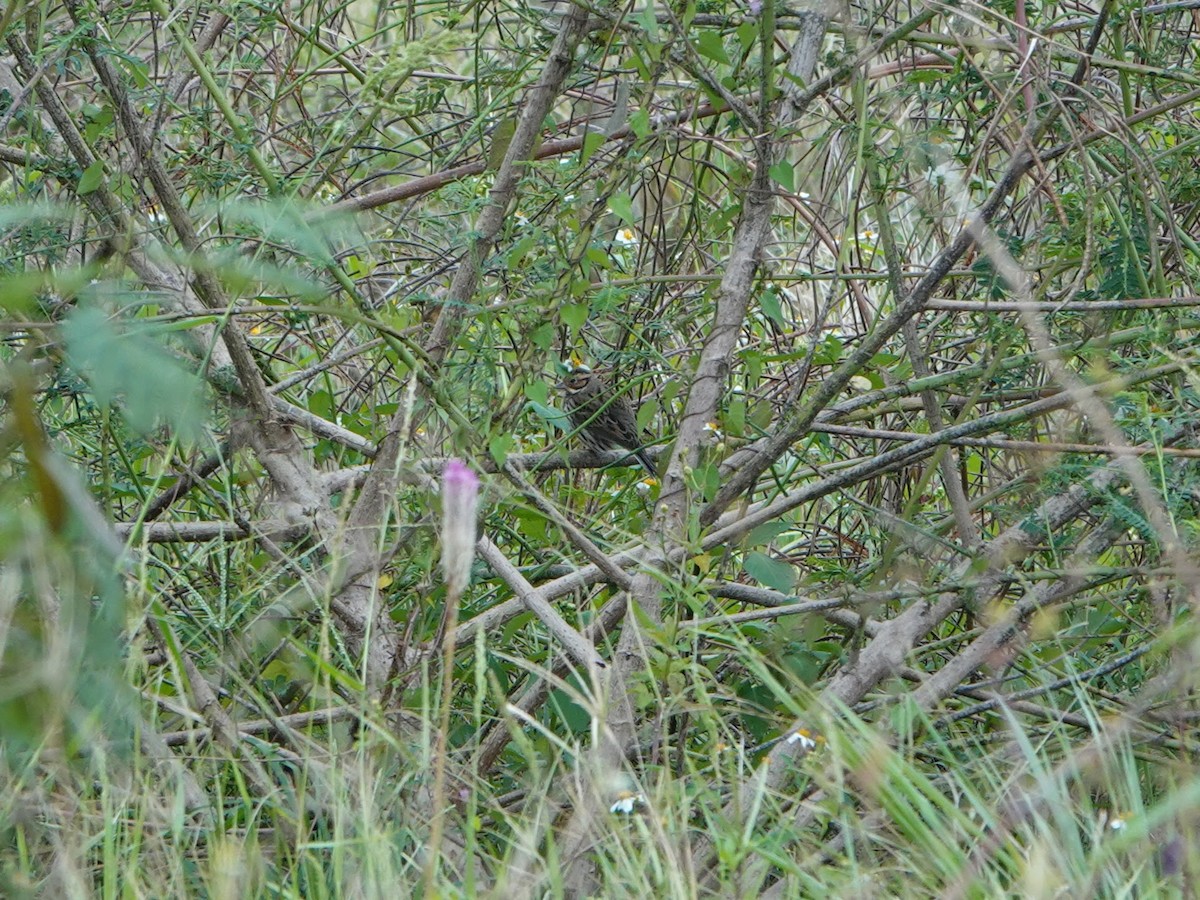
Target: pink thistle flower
point(460, 502)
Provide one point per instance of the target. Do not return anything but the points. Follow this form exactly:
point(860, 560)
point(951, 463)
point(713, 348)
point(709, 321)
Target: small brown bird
point(604, 420)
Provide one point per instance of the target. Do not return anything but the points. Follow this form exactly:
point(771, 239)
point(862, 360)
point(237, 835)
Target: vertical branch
point(947, 456)
point(536, 107)
point(704, 398)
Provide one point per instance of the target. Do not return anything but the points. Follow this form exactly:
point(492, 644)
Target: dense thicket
point(902, 296)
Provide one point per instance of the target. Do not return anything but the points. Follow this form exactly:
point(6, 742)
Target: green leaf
point(320, 403)
point(500, 446)
point(26, 214)
point(721, 219)
point(769, 300)
point(592, 141)
point(92, 178)
point(573, 315)
point(644, 66)
point(639, 122)
point(734, 419)
point(290, 224)
point(761, 415)
point(784, 175)
point(766, 533)
point(139, 69)
point(645, 17)
point(924, 76)
point(609, 298)
point(555, 417)
point(128, 366)
point(502, 136)
point(533, 524)
point(622, 207)
point(537, 391)
point(542, 336)
point(646, 413)
point(747, 35)
point(357, 267)
point(708, 481)
point(709, 44)
point(19, 293)
point(576, 719)
point(773, 573)
point(599, 257)
point(516, 256)
point(828, 352)
point(804, 664)
point(248, 276)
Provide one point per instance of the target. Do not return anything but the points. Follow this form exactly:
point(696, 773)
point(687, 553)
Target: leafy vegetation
point(903, 297)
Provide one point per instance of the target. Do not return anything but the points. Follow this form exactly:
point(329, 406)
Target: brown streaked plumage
point(604, 420)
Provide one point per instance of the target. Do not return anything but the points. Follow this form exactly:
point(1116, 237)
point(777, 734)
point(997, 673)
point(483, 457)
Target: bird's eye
point(577, 382)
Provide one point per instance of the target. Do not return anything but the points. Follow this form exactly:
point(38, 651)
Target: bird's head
point(576, 380)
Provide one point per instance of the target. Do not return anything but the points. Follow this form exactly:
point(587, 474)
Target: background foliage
point(903, 294)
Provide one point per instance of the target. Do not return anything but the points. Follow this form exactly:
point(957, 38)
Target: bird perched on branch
point(604, 420)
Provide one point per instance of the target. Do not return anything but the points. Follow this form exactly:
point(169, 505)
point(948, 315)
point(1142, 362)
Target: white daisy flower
point(627, 802)
point(646, 485)
point(800, 736)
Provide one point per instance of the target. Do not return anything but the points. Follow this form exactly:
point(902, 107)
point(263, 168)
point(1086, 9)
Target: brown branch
point(265, 726)
point(611, 570)
point(428, 183)
point(946, 458)
point(534, 109)
point(993, 306)
point(733, 528)
point(286, 461)
point(211, 711)
point(796, 422)
point(1003, 634)
point(704, 394)
point(208, 288)
point(882, 656)
point(1007, 444)
point(497, 736)
point(577, 646)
